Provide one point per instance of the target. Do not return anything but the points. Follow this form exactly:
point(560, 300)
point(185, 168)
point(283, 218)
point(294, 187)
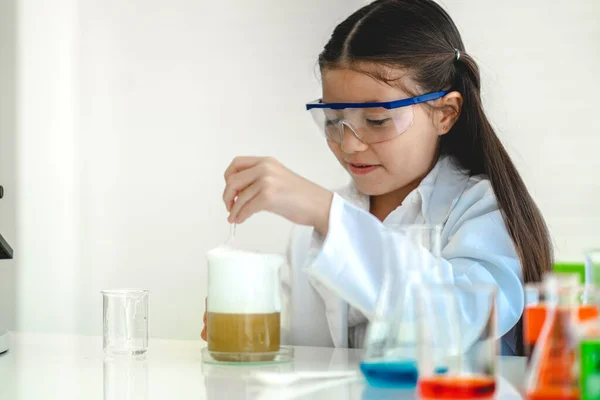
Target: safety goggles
point(369, 122)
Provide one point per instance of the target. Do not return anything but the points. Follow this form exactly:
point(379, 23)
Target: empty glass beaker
point(125, 320)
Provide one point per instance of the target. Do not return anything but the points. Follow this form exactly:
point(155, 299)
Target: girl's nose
point(350, 140)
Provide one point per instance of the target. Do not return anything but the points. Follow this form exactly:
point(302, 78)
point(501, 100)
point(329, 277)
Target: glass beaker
point(125, 321)
point(552, 370)
point(592, 267)
point(536, 307)
point(589, 346)
point(243, 305)
point(533, 315)
point(390, 358)
point(457, 341)
point(589, 356)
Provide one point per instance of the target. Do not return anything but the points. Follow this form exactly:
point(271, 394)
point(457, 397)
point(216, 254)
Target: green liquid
point(590, 369)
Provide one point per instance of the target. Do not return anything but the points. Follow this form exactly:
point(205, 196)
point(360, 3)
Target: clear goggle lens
point(370, 125)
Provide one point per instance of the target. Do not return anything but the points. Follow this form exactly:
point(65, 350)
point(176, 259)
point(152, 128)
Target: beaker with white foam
point(244, 305)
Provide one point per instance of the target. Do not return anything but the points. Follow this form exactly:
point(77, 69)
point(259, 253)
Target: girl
point(402, 112)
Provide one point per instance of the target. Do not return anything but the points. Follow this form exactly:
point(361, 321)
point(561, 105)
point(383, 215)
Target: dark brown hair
point(420, 37)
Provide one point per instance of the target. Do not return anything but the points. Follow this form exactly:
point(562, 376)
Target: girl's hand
point(263, 184)
point(205, 319)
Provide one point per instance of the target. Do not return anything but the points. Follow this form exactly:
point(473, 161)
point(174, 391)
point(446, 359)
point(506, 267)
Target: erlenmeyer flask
point(552, 371)
point(390, 358)
point(535, 311)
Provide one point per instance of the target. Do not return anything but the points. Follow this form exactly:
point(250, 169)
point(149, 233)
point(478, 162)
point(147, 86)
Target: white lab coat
point(327, 274)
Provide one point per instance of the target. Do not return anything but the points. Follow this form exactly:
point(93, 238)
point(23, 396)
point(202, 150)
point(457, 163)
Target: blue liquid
point(399, 374)
point(441, 370)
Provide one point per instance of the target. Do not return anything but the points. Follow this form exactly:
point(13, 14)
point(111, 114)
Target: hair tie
point(457, 54)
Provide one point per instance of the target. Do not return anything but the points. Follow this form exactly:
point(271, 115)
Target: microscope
point(6, 253)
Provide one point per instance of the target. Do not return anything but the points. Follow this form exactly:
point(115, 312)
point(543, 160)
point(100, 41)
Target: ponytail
point(486, 155)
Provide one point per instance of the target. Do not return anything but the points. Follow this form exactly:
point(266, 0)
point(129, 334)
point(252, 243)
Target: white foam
point(242, 282)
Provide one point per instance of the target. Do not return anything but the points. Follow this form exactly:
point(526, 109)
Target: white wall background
point(124, 124)
point(540, 63)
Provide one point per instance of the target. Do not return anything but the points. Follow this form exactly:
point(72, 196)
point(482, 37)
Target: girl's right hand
point(203, 334)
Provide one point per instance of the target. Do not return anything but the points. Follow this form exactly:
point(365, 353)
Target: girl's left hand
point(264, 184)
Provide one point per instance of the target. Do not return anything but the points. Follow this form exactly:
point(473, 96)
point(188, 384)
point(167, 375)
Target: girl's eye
point(331, 122)
point(378, 122)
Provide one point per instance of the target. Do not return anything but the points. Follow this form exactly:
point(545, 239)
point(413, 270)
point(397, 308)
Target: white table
point(41, 366)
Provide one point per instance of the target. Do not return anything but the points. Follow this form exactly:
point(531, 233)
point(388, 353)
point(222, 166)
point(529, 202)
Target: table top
point(74, 367)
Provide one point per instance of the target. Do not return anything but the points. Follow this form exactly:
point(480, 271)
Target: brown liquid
point(242, 334)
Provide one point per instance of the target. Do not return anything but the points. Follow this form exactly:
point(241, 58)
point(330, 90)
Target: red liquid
point(449, 387)
point(555, 378)
point(534, 318)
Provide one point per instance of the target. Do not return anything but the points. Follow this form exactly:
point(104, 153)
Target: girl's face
point(388, 166)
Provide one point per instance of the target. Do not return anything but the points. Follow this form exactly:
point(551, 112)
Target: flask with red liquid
point(552, 372)
point(535, 311)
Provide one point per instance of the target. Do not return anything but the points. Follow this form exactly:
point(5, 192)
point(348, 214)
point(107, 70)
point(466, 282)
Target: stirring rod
point(231, 233)
point(232, 229)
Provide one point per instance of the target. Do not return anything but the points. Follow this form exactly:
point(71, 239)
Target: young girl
point(401, 111)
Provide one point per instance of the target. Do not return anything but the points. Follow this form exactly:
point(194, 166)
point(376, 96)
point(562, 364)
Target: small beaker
point(125, 320)
point(390, 357)
point(457, 341)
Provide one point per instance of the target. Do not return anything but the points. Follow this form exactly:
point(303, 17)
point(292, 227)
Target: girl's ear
point(447, 112)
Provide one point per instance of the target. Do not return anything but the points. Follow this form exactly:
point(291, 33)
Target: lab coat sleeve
point(480, 250)
point(307, 322)
point(476, 249)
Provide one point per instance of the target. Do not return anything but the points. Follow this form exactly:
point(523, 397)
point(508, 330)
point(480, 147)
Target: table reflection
point(225, 381)
point(125, 378)
point(231, 382)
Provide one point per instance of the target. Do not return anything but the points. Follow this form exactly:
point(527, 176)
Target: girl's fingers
point(237, 183)
point(243, 198)
point(205, 319)
point(241, 163)
point(256, 204)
